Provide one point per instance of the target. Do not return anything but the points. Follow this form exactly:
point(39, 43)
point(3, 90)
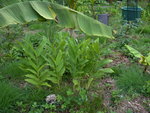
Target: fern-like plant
point(57, 67)
point(84, 63)
point(34, 63)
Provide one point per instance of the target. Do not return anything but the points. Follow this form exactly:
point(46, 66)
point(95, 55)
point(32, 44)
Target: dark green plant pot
point(131, 13)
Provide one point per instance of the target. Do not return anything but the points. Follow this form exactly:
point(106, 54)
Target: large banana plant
point(25, 12)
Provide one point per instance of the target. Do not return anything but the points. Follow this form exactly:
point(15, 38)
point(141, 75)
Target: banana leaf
point(134, 51)
point(24, 12)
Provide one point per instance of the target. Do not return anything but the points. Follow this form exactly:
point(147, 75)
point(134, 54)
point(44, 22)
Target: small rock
point(51, 98)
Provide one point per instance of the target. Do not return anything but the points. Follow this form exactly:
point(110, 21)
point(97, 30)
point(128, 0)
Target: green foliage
point(84, 62)
point(127, 28)
point(95, 105)
point(63, 59)
point(70, 66)
point(42, 11)
point(57, 67)
point(11, 70)
point(131, 79)
point(32, 100)
point(49, 61)
point(72, 3)
point(8, 96)
point(70, 101)
point(32, 94)
point(8, 2)
point(145, 60)
point(81, 101)
point(8, 37)
point(116, 97)
point(144, 29)
point(140, 44)
point(146, 13)
point(134, 52)
point(146, 88)
point(34, 64)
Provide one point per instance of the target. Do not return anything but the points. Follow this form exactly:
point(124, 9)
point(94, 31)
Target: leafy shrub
point(84, 62)
point(34, 64)
point(8, 96)
point(52, 60)
point(131, 79)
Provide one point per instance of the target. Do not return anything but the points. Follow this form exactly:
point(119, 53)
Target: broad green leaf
point(103, 62)
point(31, 81)
point(92, 27)
point(45, 84)
point(25, 12)
point(134, 52)
point(44, 10)
point(53, 80)
point(106, 70)
point(33, 77)
point(31, 70)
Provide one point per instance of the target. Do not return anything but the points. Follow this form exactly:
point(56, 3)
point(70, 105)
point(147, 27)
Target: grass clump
point(11, 70)
point(131, 79)
point(9, 94)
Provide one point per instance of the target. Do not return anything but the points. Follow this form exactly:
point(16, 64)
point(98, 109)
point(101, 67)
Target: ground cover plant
point(55, 59)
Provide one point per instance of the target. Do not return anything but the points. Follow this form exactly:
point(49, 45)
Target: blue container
point(104, 18)
point(131, 13)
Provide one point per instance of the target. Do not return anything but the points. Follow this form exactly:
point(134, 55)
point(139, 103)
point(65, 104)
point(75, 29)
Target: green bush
point(131, 79)
point(52, 61)
point(8, 96)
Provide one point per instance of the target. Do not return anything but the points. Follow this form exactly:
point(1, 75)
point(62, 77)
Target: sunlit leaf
point(25, 12)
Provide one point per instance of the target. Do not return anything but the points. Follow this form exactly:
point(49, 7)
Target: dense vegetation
point(66, 62)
